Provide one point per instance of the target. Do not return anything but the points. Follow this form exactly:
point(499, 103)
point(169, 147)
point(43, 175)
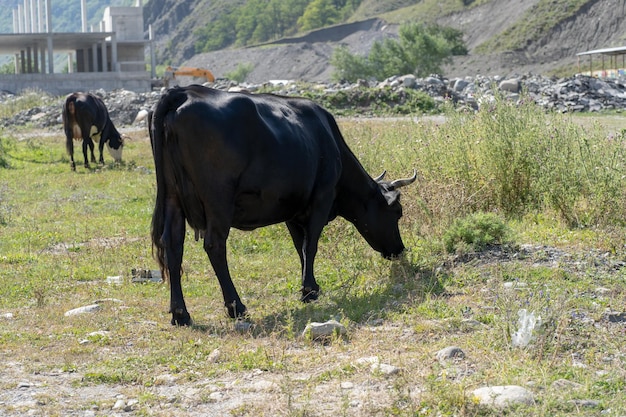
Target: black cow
point(86, 118)
point(241, 160)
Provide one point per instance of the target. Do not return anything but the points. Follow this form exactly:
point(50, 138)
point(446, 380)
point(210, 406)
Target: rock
point(460, 85)
point(119, 405)
point(450, 353)
point(384, 369)
point(141, 115)
point(565, 385)
point(615, 317)
point(367, 360)
point(83, 310)
point(585, 403)
point(323, 330)
point(242, 326)
point(408, 81)
point(503, 396)
point(511, 85)
point(214, 356)
point(165, 380)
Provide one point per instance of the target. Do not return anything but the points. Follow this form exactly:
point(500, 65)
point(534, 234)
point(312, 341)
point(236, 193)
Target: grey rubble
point(574, 94)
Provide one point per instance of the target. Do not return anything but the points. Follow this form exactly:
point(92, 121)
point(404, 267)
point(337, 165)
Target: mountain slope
point(595, 24)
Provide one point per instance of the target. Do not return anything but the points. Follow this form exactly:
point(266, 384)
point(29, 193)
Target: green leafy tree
point(419, 50)
point(216, 35)
point(319, 13)
point(254, 21)
point(8, 68)
point(349, 66)
point(240, 73)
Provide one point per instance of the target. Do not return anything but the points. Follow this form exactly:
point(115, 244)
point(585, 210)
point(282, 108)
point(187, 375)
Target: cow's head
point(115, 144)
point(379, 223)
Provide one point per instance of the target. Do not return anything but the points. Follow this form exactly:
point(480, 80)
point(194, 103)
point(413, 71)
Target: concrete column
point(22, 62)
point(103, 46)
point(16, 22)
point(39, 16)
point(42, 58)
point(50, 55)
point(35, 59)
point(114, 63)
point(48, 17)
point(94, 57)
point(33, 17)
point(152, 52)
point(83, 14)
point(26, 17)
point(29, 60)
point(70, 63)
point(17, 63)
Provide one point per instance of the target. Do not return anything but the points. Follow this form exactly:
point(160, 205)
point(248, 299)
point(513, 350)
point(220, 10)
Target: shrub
point(475, 232)
point(420, 50)
point(240, 73)
point(515, 158)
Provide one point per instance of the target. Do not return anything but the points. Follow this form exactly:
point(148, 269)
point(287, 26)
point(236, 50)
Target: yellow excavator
point(171, 73)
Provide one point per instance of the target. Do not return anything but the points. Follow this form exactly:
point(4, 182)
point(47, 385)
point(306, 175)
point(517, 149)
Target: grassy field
point(513, 210)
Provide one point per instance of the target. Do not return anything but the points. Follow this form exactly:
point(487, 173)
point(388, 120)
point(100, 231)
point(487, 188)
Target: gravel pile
point(574, 94)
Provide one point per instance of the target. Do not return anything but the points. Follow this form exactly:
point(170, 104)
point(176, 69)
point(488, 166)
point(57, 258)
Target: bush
point(515, 158)
point(475, 232)
point(374, 100)
point(240, 73)
point(420, 50)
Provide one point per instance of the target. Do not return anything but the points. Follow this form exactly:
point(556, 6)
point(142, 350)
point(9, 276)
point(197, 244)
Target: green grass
point(62, 233)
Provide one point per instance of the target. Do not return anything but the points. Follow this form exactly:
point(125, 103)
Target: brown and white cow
point(86, 119)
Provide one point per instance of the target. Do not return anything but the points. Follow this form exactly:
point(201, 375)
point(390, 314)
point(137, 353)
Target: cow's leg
point(215, 247)
point(70, 150)
point(306, 245)
point(104, 135)
point(100, 148)
point(91, 147)
point(173, 239)
point(85, 145)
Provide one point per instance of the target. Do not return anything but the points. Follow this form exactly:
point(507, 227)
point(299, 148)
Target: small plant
point(475, 232)
point(240, 73)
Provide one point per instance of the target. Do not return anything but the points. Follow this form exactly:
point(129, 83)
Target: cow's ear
point(391, 196)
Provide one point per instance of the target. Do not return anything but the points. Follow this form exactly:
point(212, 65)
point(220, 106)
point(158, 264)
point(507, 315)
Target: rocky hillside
point(596, 24)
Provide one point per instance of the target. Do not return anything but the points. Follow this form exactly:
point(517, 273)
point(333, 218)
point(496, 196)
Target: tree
point(419, 50)
point(317, 14)
point(348, 66)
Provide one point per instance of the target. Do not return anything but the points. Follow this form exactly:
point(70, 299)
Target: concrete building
point(109, 55)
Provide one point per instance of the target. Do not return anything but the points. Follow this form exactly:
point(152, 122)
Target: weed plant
point(515, 158)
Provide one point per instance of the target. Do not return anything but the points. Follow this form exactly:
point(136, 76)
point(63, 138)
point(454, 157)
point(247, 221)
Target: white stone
point(320, 330)
point(385, 369)
point(92, 308)
point(503, 396)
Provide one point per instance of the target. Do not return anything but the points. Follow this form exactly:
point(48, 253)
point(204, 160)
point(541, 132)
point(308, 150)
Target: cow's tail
point(157, 129)
point(69, 108)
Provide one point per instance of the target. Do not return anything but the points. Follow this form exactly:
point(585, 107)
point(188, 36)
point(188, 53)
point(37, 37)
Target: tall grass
point(516, 158)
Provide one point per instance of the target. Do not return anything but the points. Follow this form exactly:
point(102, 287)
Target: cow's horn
point(404, 181)
point(381, 176)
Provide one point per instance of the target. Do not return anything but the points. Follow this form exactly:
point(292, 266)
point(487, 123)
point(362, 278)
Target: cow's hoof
point(181, 318)
point(236, 310)
point(309, 294)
